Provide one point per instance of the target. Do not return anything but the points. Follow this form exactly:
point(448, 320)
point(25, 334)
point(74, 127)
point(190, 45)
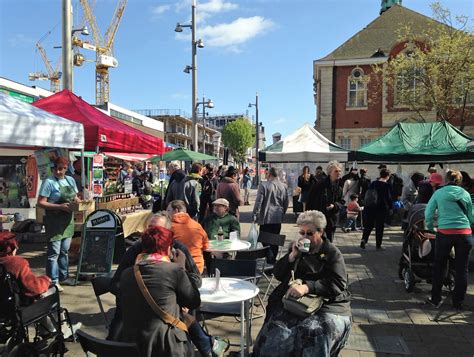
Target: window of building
point(408, 87)
point(365, 141)
point(357, 89)
point(346, 143)
point(126, 117)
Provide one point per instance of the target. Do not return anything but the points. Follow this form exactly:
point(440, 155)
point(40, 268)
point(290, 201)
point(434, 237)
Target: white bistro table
point(230, 290)
point(227, 245)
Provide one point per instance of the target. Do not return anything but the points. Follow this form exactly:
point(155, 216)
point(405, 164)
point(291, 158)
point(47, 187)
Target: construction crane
point(53, 74)
point(103, 48)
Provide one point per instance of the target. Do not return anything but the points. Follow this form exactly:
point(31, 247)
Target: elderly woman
point(323, 272)
point(170, 288)
point(55, 195)
point(454, 230)
point(326, 196)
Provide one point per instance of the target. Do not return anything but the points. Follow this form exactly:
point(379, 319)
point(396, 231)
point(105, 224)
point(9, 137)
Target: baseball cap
point(221, 201)
point(436, 178)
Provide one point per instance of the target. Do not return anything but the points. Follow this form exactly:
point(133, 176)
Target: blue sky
point(264, 46)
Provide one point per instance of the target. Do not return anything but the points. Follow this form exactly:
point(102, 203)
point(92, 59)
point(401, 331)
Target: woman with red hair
point(170, 288)
point(56, 194)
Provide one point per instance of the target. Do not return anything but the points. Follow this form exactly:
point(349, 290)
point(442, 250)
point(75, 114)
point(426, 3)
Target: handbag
point(303, 306)
point(166, 317)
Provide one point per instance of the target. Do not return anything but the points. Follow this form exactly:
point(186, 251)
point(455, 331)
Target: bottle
point(220, 234)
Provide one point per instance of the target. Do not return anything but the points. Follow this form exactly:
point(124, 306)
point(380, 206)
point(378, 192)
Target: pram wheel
point(409, 279)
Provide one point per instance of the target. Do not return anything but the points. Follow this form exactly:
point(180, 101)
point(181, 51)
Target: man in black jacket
point(174, 191)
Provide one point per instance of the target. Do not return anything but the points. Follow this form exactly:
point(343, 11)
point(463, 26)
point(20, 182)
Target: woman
point(304, 183)
point(454, 230)
point(228, 188)
point(56, 194)
point(323, 273)
point(326, 196)
point(170, 288)
point(247, 185)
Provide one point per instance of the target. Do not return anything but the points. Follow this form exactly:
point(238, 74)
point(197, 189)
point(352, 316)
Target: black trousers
point(271, 228)
point(374, 217)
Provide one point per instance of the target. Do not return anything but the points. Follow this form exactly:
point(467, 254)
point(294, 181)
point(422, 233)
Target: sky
point(264, 46)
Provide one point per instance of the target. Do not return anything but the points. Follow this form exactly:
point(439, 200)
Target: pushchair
point(418, 250)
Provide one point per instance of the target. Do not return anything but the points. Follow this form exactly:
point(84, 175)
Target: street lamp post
point(195, 44)
point(257, 138)
point(205, 104)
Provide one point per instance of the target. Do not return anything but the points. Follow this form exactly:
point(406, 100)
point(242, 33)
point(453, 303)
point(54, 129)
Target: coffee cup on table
point(303, 245)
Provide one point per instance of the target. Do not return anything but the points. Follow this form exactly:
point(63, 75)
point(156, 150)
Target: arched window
point(357, 89)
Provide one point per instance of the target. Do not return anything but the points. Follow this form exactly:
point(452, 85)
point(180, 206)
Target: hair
point(306, 173)
point(196, 168)
point(466, 180)
point(316, 218)
point(363, 170)
point(246, 171)
point(354, 196)
point(178, 205)
point(157, 240)
point(8, 243)
point(333, 165)
point(417, 178)
point(209, 166)
point(165, 215)
point(272, 172)
point(231, 171)
point(384, 173)
point(454, 177)
point(173, 166)
point(319, 168)
point(61, 161)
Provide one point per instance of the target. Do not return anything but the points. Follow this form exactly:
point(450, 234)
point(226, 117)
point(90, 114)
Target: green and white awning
point(304, 145)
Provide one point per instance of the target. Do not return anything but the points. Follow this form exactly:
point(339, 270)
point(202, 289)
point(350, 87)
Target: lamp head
point(200, 43)
point(85, 31)
point(187, 69)
point(178, 28)
point(210, 103)
point(250, 105)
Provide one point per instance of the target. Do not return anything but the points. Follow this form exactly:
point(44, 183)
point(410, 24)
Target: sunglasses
point(306, 233)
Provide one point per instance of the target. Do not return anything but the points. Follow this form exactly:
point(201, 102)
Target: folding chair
point(101, 286)
point(267, 238)
point(91, 344)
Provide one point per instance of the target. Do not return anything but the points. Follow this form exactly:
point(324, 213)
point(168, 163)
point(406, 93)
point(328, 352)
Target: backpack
point(371, 197)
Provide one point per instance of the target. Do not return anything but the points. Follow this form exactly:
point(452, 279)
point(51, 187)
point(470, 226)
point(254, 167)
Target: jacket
point(170, 287)
point(192, 193)
point(229, 189)
point(175, 189)
point(228, 222)
point(384, 195)
point(450, 214)
point(192, 235)
point(324, 273)
point(324, 193)
point(350, 186)
point(30, 284)
point(409, 195)
point(271, 202)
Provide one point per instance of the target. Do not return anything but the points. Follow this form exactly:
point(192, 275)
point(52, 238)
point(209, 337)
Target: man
point(207, 345)
point(270, 207)
point(220, 217)
point(229, 189)
point(396, 189)
point(188, 231)
point(175, 189)
point(208, 193)
point(364, 183)
point(320, 175)
point(192, 190)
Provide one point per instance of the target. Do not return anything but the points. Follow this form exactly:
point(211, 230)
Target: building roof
point(382, 33)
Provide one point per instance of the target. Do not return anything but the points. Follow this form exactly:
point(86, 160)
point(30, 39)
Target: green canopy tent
point(181, 154)
point(417, 142)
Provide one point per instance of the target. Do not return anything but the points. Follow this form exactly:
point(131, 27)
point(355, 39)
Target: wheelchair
point(22, 321)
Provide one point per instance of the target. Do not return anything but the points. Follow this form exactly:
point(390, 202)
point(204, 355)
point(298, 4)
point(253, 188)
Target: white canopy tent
point(23, 125)
point(304, 145)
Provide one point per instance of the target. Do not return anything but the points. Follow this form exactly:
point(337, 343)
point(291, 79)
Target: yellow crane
point(103, 48)
point(53, 74)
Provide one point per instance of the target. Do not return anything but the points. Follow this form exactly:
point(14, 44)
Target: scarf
point(151, 258)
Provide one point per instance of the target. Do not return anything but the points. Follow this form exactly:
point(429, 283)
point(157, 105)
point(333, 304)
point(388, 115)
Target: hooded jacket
point(175, 190)
point(447, 201)
point(229, 189)
point(192, 193)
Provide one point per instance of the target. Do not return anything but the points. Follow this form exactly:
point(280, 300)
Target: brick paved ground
point(386, 317)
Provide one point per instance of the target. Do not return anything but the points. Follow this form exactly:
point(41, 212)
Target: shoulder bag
point(166, 317)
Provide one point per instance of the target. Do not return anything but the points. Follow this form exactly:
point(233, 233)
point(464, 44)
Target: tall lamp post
point(257, 138)
point(193, 68)
point(205, 104)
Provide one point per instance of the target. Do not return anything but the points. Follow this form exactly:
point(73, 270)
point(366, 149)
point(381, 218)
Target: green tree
point(237, 136)
point(434, 70)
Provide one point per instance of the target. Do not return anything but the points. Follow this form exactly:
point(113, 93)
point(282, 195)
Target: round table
point(230, 290)
point(227, 245)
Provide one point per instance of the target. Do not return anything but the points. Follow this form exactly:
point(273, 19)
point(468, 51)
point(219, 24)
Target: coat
point(175, 189)
point(192, 194)
point(228, 222)
point(271, 202)
point(229, 189)
point(171, 288)
point(322, 194)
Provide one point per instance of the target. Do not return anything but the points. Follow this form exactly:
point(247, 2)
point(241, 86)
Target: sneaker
point(380, 248)
point(362, 244)
point(59, 287)
point(429, 301)
point(69, 282)
point(71, 330)
point(219, 346)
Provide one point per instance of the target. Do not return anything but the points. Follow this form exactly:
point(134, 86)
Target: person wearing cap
point(428, 187)
point(220, 217)
point(229, 189)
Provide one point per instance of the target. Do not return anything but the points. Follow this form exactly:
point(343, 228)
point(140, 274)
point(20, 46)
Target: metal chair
point(101, 286)
point(91, 344)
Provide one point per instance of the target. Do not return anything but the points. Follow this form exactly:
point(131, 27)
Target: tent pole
point(83, 171)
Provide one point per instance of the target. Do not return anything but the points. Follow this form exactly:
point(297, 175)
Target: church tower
point(387, 4)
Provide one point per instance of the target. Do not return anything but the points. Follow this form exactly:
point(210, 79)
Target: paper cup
point(303, 245)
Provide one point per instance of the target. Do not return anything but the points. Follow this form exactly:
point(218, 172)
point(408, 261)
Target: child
point(353, 210)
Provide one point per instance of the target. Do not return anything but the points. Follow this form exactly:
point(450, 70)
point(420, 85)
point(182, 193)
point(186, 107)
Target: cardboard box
point(40, 214)
point(83, 206)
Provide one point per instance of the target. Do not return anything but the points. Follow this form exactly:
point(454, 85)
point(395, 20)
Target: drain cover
point(383, 344)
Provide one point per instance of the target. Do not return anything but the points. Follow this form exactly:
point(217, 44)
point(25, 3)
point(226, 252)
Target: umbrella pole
point(83, 171)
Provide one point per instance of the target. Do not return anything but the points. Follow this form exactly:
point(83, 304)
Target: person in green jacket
point(220, 217)
point(455, 218)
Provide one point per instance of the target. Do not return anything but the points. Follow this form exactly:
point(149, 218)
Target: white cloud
point(216, 6)
point(20, 40)
point(231, 35)
point(280, 121)
point(160, 9)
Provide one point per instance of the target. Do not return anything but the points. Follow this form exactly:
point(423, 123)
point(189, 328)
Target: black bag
point(371, 198)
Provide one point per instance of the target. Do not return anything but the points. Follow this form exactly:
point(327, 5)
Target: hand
point(294, 252)
point(180, 258)
point(298, 291)
point(64, 207)
point(330, 207)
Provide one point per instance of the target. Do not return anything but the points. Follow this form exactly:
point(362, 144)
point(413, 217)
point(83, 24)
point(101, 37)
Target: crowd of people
point(156, 284)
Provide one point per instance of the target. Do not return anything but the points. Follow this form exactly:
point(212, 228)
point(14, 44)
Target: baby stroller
point(418, 252)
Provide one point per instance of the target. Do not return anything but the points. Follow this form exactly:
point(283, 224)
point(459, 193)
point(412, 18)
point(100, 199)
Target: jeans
point(350, 223)
point(462, 244)
point(57, 267)
point(374, 217)
point(200, 339)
